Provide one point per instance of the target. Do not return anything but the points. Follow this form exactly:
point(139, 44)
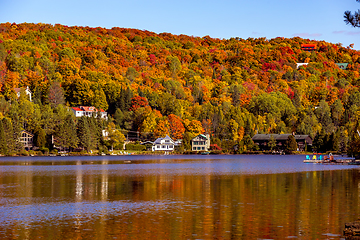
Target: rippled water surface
point(175, 197)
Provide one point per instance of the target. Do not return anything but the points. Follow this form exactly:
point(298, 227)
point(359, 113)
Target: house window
point(194, 148)
point(202, 148)
point(157, 146)
point(163, 146)
point(171, 146)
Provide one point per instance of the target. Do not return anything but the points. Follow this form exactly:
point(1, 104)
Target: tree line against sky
point(158, 84)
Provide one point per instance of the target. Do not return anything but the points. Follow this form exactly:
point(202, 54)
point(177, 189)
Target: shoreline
point(130, 153)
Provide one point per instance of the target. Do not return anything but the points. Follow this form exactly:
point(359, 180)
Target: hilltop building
point(308, 47)
point(88, 111)
point(342, 66)
point(27, 91)
point(301, 64)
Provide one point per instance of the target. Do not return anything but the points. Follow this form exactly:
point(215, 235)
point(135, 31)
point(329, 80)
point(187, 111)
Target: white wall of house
point(164, 144)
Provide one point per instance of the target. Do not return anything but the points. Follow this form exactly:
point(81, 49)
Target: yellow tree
point(193, 127)
point(115, 137)
point(149, 123)
point(234, 129)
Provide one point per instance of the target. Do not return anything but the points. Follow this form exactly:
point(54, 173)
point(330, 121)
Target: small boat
point(205, 153)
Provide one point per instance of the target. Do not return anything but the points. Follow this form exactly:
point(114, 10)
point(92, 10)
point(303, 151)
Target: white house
point(164, 144)
point(201, 143)
point(27, 91)
point(301, 64)
point(88, 111)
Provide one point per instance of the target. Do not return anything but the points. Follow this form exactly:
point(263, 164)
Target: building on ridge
point(89, 111)
point(308, 47)
point(27, 91)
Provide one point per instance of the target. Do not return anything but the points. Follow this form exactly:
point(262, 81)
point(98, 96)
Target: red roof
point(86, 109)
point(308, 45)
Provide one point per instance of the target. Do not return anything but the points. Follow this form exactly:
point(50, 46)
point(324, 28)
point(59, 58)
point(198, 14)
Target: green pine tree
point(84, 133)
point(291, 144)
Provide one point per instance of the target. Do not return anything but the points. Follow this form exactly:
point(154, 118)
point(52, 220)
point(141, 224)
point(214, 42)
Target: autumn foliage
point(183, 85)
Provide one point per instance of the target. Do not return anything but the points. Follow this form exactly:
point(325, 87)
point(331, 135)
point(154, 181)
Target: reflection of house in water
point(263, 140)
point(27, 139)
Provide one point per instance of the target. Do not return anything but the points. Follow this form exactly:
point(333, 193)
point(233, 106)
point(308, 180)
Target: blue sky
point(316, 19)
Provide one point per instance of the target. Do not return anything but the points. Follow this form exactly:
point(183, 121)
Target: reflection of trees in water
point(102, 203)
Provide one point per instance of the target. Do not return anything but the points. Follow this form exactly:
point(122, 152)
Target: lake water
point(175, 197)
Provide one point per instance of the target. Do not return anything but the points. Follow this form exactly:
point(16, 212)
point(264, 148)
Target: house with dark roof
point(200, 143)
point(88, 111)
point(164, 144)
point(262, 140)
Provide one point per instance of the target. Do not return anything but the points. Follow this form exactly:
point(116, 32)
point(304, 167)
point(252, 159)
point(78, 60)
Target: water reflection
point(221, 197)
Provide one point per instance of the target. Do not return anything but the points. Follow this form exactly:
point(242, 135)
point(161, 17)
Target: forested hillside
point(179, 85)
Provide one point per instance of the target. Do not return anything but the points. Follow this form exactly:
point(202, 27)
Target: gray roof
point(158, 141)
point(266, 137)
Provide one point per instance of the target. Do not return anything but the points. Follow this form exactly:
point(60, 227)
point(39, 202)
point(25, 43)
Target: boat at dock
point(331, 160)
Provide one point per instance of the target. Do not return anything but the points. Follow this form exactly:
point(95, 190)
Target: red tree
point(176, 127)
point(138, 102)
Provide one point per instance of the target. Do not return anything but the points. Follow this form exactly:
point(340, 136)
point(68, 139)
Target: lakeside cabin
point(27, 140)
point(200, 143)
point(262, 141)
point(164, 144)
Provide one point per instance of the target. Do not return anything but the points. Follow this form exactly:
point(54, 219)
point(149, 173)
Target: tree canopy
point(154, 85)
